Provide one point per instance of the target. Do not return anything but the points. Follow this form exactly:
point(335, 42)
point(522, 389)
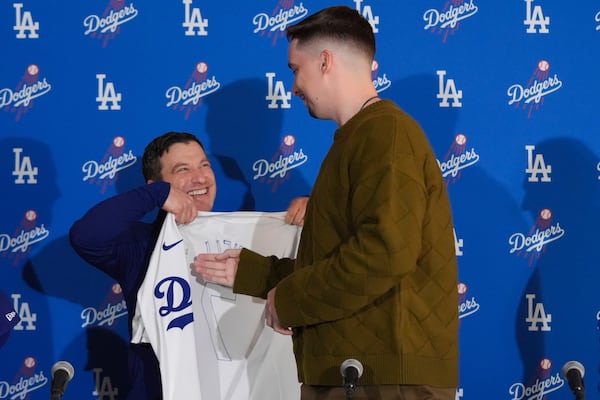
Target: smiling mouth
point(198, 192)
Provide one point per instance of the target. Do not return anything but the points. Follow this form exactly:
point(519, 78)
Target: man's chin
point(203, 205)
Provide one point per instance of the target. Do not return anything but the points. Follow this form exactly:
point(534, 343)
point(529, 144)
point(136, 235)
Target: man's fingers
point(202, 257)
point(296, 211)
point(290, 216)
point(283, 331)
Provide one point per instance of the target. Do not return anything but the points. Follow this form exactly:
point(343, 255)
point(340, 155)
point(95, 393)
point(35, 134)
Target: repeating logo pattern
point(106, 171)
point(21, 99)
point(26, 382)
point(272, 24)
point(18, 245)
point(457, 159)
point(501, 89)
point(188, 98)
point(107, 26)
point(534, 243)
point(275, 171)
point(531, 96)
point(447, 21)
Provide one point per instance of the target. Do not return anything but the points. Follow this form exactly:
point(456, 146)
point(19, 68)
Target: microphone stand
point(573, 371)
point(351, 370)
point(580, 395)
point(349, 390)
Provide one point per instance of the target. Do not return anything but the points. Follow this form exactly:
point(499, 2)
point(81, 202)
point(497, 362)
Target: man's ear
point(149, 181)
point(325, 59)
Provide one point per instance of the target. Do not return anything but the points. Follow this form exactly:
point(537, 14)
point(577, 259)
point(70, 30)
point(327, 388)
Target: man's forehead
point(184, 148)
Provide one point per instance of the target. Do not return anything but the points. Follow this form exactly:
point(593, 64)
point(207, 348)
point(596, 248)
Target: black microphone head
point(569, 365)
point(64, 366)
point(351, 362)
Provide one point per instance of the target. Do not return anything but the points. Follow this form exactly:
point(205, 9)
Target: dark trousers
point(378, 392)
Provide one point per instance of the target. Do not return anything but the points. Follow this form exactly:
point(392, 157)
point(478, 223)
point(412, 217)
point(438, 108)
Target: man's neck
point(352, 104)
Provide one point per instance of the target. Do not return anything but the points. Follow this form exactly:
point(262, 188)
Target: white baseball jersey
point(211, 343)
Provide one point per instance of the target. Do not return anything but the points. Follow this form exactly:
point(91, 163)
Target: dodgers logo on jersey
point(177, 295)
point(20, 100)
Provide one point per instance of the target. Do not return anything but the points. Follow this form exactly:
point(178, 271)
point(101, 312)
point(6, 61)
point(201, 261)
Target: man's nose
point(199, 175)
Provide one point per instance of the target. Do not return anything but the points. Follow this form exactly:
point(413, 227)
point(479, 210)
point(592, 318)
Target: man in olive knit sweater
point(375, 278)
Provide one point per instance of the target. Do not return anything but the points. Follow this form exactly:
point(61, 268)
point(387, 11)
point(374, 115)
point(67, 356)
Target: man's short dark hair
point(338, 23)
point(151, 165)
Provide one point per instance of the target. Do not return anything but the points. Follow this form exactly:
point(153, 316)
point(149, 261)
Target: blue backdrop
point(500, 88)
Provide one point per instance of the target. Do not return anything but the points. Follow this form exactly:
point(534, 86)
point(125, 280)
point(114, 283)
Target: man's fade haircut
point(151, 166)
point(340, 23)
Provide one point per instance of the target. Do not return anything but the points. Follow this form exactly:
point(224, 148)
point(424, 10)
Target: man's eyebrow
point(178, 164)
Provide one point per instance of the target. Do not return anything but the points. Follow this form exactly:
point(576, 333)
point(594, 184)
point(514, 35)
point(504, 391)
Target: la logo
point(448, 90)
point(104, 387)
point(23, 167)
point(277, 92)
point(106, 93)
point(367, 13)
point(535, 18)
point(24, 22)
point(458, 244)
point(537, 315)
point(537, 166)
point(193, 20)
point(27, 317)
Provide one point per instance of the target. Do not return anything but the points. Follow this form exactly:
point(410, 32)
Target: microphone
point(62, 373)
point(573, 372)
point(351, 370)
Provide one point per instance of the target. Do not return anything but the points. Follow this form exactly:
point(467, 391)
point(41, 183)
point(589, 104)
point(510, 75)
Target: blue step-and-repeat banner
point(507, 91)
